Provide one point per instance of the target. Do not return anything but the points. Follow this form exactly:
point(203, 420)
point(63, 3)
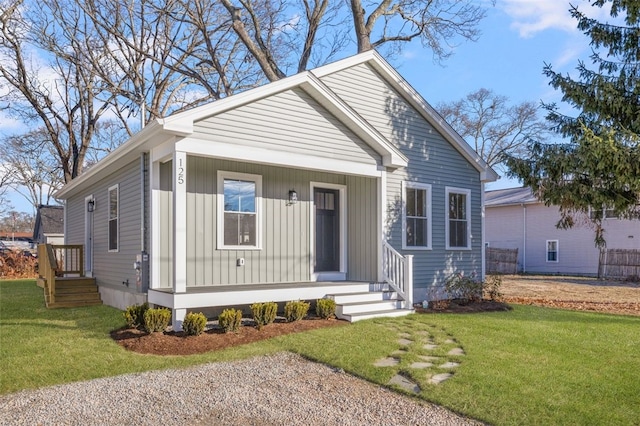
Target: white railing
point(398, 273)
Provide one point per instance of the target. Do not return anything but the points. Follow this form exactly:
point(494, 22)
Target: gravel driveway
point(280, 389)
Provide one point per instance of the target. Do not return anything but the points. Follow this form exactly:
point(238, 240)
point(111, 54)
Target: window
point(416, 216)
point(113, 218)
point(239, 210)
point(603, 213)
point(458, 224)
point(552, 250)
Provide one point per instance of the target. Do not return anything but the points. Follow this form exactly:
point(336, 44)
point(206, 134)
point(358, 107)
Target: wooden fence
point(501, 261)
point(619, 264)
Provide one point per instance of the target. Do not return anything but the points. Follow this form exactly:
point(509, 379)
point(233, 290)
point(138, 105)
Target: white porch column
point(154, 223)
point(180, 222)
point(382, 219)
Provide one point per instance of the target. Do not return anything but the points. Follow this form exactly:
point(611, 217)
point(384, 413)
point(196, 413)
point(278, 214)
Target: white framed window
point(114, 214)
point(552, 250)
point(458, 218)
point(239, 211)
point(416, 216)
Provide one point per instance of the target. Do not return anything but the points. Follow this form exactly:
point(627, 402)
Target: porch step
point(74, 292)
point(370, 296)
point(376, 314)
point(363, 307)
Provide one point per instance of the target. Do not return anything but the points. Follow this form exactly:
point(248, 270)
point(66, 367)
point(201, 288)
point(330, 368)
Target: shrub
point(465, 289)
point(492, 287)
point(325, 308)
point(230, 320)
point(194, 324)
point(296, 310)
point(134, 315)
point(264, 313)
point(157, 319)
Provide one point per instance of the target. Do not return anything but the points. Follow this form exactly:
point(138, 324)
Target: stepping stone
point(450, 341)
point(439, 378)
point(405, 342)
point(430, 346)
point(386, 362)
point(423, 333)
point(456, 351)
point(449, 365)
point(428, 358)
point(399, 352)
point(404, 383)
point(421, 365)
point(405, 335)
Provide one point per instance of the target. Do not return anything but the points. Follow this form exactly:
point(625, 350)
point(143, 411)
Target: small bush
point(491, 287)
point(296, 310)
point(157, 319)
point(134, 315)
point(325, 308)
point(463, 288)
point(194, 324)
point(230, 320)
point(264, 313)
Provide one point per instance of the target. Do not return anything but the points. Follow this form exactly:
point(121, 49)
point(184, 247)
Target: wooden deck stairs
point(61, 275)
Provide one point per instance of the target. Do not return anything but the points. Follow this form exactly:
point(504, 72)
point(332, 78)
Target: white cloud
point(533, 16)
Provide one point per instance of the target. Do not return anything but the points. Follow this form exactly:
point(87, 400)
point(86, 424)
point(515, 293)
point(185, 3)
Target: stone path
point(425, 355)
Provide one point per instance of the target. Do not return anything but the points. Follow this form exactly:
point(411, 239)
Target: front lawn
point(527, 366)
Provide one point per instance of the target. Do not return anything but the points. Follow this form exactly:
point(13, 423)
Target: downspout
point(524, 238)
point(482, 224)
point(143, 202)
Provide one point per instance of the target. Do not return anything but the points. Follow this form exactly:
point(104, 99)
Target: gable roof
point(181, 124)
point(49, 220)
point(509, 197)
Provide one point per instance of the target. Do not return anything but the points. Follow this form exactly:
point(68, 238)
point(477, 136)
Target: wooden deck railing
point(398, 273)
point(59, 261)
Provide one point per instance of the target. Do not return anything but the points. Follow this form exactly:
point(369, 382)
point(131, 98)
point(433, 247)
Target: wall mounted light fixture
point(293, 197)
point(91, 205)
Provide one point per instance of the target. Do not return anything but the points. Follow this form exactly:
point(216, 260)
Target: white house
point(339, 180)
point(515, 218)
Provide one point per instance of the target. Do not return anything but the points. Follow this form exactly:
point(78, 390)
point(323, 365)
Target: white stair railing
point(398, 273)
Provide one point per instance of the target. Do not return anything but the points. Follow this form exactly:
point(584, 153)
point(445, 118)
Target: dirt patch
point(453, 306)
point(176, 343)
point(575, 293)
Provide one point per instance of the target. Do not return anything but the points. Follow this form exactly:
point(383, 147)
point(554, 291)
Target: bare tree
point(36, 173)
point(492, 126)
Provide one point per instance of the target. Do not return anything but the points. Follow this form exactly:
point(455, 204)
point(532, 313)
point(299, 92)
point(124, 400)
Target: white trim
point(154, 222)
point(422, 186)
point(340, 275)
point(257, 179)
point(89, 228)
point(485, 243)
point(117, 189)
point(179, 185)
point(274, 157)
point(382, 222)
point(546, 251)
point(464, 191)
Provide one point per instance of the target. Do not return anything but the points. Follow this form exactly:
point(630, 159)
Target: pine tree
point(599, 166)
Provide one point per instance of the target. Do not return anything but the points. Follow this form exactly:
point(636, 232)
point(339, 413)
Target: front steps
point(73, 292)
point(379, 301)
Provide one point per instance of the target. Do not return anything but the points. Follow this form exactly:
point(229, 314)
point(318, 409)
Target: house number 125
point(180, 172)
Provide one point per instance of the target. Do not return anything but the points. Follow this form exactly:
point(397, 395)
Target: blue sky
point(518, 37)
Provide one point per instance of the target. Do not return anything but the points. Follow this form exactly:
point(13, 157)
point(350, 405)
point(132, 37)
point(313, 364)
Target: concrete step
point(362, 307)
point(369, 296)
point(376, 314)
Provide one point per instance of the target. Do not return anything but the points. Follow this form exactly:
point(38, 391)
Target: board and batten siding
point(290, 121)
point(432, 160)
point(286, 242)
point(111, 268)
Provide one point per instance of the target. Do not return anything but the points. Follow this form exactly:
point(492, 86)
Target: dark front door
point(327, 250)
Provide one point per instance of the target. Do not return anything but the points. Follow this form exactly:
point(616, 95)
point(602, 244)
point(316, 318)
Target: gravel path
point(281, 389)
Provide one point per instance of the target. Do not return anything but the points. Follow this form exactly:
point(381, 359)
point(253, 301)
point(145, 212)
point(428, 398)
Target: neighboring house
point(287, 191)
point(515, 218)
point(49, 226)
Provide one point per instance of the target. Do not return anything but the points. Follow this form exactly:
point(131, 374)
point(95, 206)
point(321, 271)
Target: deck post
point(408, 281)
point(177, 317)
point(180, 222)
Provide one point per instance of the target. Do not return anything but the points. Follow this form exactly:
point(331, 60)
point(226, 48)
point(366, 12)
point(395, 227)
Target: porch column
point(382, 219)
point(179, 222)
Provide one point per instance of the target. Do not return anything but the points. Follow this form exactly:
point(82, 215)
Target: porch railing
point(69, 259)
point(398, 273)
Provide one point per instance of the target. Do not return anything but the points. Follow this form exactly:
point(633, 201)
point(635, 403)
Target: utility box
point(142, 272)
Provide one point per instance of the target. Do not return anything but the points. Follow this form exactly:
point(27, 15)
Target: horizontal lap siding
point(432, 160)
point(290, 121)
point(286, 240)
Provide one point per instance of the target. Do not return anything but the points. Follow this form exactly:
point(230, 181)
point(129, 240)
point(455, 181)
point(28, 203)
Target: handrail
point(398, 272)
point(69, 258)
point(48, 269)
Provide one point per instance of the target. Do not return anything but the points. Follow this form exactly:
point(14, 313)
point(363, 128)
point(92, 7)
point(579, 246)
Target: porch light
point(293, 197)
point(91, 204)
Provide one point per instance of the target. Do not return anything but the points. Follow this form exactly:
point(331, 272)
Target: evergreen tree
point(599, 166)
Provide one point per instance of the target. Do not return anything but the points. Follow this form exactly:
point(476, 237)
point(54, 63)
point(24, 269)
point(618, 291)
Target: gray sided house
point(49, 225)
point(515, 218)
point(338, 182)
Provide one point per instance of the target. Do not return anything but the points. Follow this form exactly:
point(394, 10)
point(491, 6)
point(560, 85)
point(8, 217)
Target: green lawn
point(527, 366)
